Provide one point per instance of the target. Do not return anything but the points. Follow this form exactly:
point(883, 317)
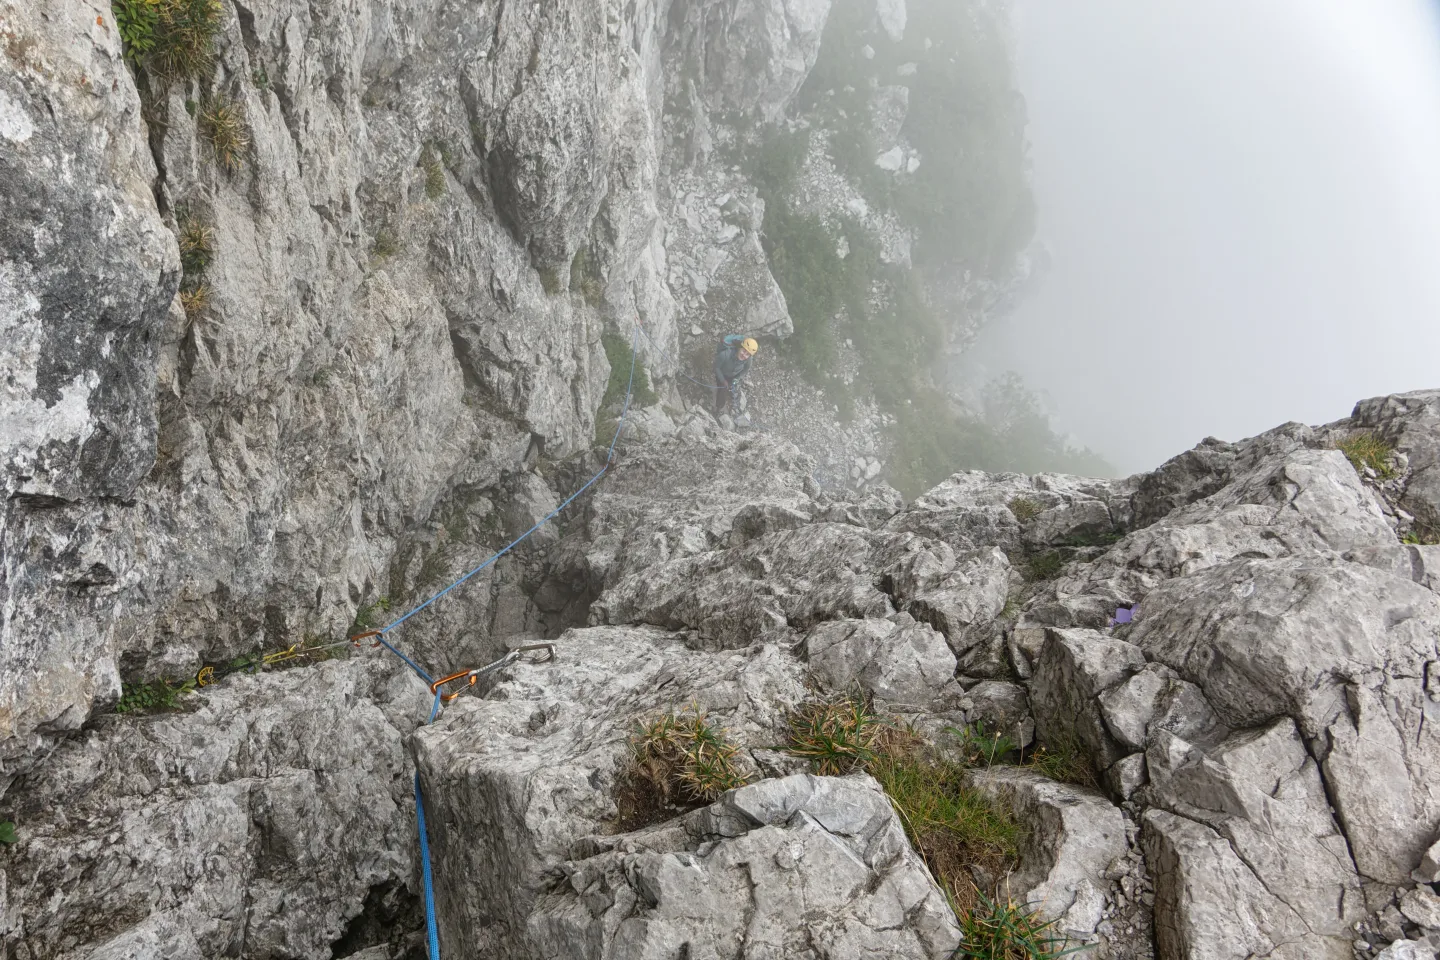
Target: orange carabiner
point(447, 697)
point(368, 633)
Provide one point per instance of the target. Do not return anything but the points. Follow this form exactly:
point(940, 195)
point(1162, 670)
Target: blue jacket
point(728, 365)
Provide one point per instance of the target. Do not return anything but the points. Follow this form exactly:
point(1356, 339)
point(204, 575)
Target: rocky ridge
point(1237, 724)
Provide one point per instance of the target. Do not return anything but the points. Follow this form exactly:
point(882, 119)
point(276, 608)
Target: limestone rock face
point(1074, 837)
point(789, 867)
point(436, 214)
point(897, 661)
point(1340, 648)
point(263, 823)
point(516, 780)
point(399, 368)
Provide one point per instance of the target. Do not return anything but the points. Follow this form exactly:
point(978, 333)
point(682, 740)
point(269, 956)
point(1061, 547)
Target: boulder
point(1156, 699)
point(515, 781)
point(1429, 869)
point(1410, 421)
point(269, 817)
point(964, 603)
point(1421, 907)
point(1343, 650)
point(898, 661)
point(1261, 791)
point(1296, 503)
point(1208, 904)
point(972, 510)
point(1072, 838)
point(793, 867)
point(1073, 669)
point(793, 579)
point(1406, 950)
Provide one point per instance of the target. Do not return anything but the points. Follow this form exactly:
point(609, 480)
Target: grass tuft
point(175, 39)
point(952, 826)
point(222, 124)
point(386, 244)
point(1064, 759)
point(1045, 566)
point(585, 278)
point(1369, 450)
point(1005, 930)
point(836, 736)
point(1025, 509)
point(195, 300)
point(617, 351)
point(197, 244)
point(677, 761)
point(434, 172)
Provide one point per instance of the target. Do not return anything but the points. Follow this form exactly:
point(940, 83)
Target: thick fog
point(1241, 202)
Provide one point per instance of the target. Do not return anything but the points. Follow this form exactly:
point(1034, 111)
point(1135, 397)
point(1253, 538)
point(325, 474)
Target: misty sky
point(1242, 202)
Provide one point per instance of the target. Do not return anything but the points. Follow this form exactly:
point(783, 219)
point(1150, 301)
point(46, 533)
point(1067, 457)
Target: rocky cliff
point(264, 385)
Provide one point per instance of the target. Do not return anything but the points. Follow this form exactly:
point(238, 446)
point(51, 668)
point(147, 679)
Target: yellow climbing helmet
point(750, 346)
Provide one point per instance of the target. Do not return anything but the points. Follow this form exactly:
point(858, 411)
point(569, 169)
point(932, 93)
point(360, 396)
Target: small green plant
point(197, 244)
point(386, 244)
point(434, 172)
point(7, 832)
point(370, 616)
point(836, 736)
point(617, 351)
point(137, 21)
point(1065, 759)
point(195, 300)
point(585, 278)
point(1025, 509)
point(260, 78)
point(222, 124)
point(153, 696)
point(172, 38)
point(191, 106)
point(677, 760)
point(1045, 566)
point(1421, 535)
point(1369, 450)
point(979, 748)
point(1005, 930)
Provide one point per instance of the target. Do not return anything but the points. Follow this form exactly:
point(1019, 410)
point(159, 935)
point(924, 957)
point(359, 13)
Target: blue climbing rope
point(432, 932)
point(431, 929)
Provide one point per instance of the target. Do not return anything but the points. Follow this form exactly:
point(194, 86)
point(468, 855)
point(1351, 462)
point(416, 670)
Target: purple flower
point(1122, 615)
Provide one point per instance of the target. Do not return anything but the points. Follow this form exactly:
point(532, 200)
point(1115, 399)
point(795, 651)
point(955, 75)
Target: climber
point(732, 361)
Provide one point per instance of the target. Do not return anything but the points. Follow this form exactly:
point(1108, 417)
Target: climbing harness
point(472, 676)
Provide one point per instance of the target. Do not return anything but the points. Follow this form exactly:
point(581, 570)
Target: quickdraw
point(209, 675)
point(473, 676)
